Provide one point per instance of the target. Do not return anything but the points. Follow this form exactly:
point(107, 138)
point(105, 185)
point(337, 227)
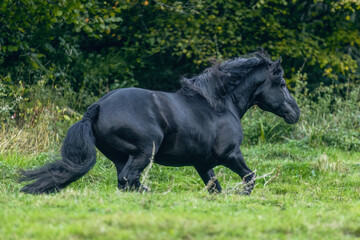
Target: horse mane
point(217, 81)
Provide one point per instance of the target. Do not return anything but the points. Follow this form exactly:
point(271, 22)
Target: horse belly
point(184, 151)
point(175, 160)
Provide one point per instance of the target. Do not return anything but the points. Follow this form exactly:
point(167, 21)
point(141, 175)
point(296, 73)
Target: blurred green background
point(57, 57)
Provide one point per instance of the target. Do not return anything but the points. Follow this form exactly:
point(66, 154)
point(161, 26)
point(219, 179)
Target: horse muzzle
point(291, 113)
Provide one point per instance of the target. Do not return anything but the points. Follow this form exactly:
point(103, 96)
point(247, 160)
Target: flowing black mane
point(220, 79)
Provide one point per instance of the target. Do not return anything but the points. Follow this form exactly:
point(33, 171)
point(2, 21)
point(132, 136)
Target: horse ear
point(276, 65)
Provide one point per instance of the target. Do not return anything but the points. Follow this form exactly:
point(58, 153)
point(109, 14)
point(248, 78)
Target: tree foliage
point(92, 46)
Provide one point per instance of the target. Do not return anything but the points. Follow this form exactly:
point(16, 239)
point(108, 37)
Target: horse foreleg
point(209, 178)
point(236, 163)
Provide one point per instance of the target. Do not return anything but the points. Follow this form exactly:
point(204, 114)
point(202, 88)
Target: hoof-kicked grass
point(310, 194)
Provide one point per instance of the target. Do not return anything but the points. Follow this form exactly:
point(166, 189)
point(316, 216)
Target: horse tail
point(78, 156)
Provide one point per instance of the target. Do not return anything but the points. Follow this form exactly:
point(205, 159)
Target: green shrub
point(34, 118)
point(93, 46)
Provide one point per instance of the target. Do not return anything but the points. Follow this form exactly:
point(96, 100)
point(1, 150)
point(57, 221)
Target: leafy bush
point(57, 57)
point(94, 45)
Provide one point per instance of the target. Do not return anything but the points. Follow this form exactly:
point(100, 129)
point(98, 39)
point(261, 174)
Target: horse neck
point(243, 96)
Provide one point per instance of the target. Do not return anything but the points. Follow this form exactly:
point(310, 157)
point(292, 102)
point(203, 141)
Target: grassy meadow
point(301, 192)
point(58, 57)
point(307, 186)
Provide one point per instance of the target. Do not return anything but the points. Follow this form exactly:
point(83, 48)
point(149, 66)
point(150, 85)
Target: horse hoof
point(127, 188)
point(245, 193)
point(143, 189)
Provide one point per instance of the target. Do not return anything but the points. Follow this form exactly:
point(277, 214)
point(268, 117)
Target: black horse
point(197, 126)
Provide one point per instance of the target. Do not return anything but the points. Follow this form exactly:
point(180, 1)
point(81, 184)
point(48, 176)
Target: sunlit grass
point(314, 196)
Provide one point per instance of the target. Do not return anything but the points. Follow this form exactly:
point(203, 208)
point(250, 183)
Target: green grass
point(316, 195)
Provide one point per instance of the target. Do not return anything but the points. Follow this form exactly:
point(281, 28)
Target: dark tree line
point(94, 46)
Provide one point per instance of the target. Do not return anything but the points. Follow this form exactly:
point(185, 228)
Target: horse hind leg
point(120, 164)
point(129, 177)
point(117, 157)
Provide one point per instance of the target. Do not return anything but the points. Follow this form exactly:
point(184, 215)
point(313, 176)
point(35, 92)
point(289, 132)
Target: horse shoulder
point(229, 136)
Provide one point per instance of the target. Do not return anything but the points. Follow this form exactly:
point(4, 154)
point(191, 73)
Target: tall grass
point(44, 130)
point(35, 119)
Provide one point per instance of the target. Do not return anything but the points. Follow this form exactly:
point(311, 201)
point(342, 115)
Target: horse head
point(274, 96)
